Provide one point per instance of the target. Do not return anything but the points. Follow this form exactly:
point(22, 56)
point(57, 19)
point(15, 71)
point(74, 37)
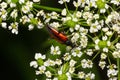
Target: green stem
point(95, 55)
point(118, 65)
point(47, 8)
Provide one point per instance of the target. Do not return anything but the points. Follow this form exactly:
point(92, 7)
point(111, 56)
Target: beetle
point(59, 36)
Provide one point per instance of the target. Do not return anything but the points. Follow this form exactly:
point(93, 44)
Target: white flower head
point(71, 70)
point(33, 64)
point(62, 1)
point(36, 0)
point(30, 27)
point(14, 13)
point(89, 52)
point(39, 55)
point(105, 49)
point(72, 63)
point(90, 76)
point(3, 5)
point(48, 74)
point(77, 27)
point(103, 56)
point(86, 63)
point(42, 69)
point(77, 52)
point(102, 64)
point(4, 25)
point(81, 75)
point(64, 12)
point(58, 62)
point(21, 1)
point(67, 56)
point(116, 54)
point(77, 4)
point(12, 5)
point(55, 50)
point(78, 14)
point(117, 45)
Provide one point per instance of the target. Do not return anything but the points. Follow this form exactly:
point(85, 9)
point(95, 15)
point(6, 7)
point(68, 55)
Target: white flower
point(40, 25)
point(116, 54)
point(42, 69)
point(64, 12)
point(78, 14)
point(48, 74)
point(62, 1)
point(58, 62)
point(29, 4)
point(72, 63)
point(55, 78)
point(83, 31)
point(81, 75)
point(86, 63)
point(66, 56)
point(115, 27)
point(96, 16)
point(102, 64)
point(95, 27)
point(105, 49)
point(30, 16)
point(83, 41)
point(75, 37)
point(24, 19)
point(54, 15)
point(97, 47)
point(39, 55)
point(21, 1)
point(68, 76)
point(116, 2)
point(103, 56)
point(71, 29)
point(104, 38)
point(102, 10)
point(49, 63)
point(117, 45)
point(3, 5)
point(55, 25)
point(77, 52)
point(13, 27)
point(3, 14)
point(77, 27)
point(33, 64)
point(25, 9)
point(71, 69)
point(108, 43)
point(14, 13)
point(36, 0)
point(105, 29)
point(97, 41)
point(109, 33)
point(12, 5)
point(30, 27)
point(55, 50)
point(112, 72)
point(14, 31)
point(90, 76)
point(89, 52)
point(77, 4)
point(4, 25)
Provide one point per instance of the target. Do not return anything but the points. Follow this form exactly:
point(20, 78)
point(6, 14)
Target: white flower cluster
point(94, 29)
point(17, 12)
